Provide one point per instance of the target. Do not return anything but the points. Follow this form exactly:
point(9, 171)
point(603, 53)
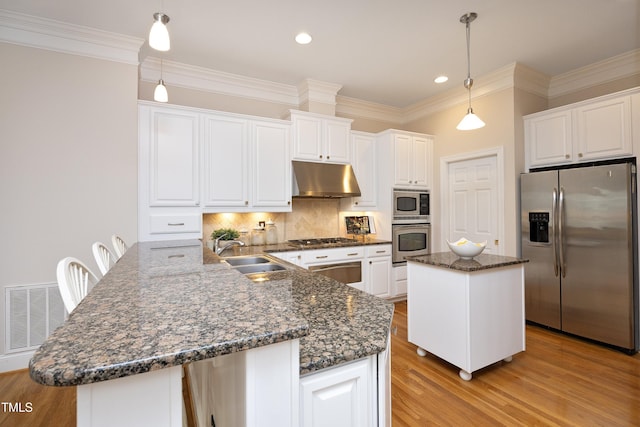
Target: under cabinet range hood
point(312, 179)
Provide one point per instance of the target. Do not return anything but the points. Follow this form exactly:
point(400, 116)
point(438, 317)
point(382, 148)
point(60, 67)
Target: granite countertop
point(452, 261)
point(289, 247)
point(168, 303)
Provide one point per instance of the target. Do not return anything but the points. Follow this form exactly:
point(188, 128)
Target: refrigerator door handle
point(561, 231)
point(554, 236)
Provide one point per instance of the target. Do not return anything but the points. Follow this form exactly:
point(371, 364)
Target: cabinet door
point(604, 129)
point(338, 397)
point(421, 162)
point(379, 276)
point(402, 160)
point(549, 139)
point(226, 162)
point(272, 166)
point(364, 162)
point(173, 150)
point(307, 138)
point(337, 141)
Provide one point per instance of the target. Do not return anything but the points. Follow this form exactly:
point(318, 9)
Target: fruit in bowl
point(466, 249)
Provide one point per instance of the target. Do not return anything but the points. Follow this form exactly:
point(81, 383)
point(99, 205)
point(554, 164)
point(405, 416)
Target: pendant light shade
point(470, 121)
point(161, 94)
point(159, 35)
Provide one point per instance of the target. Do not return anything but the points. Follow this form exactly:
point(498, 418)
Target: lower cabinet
point(344, 396)
point(378, 264)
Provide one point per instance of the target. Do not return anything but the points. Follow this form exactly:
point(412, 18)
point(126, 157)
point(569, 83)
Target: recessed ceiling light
point(441, 79)
point(303, 38)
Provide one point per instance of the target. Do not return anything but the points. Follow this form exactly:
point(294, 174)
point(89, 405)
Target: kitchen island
point(467, 312)
point(166, 305)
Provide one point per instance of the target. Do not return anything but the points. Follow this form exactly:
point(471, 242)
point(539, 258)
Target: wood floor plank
point(558, 381)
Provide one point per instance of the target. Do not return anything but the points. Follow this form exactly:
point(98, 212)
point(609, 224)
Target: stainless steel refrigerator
point(579, 233)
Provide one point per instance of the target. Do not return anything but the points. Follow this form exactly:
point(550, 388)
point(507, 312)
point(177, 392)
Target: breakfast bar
point(170, 313)
point(469, 312)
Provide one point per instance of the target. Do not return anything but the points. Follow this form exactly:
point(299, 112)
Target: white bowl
point(466, 249)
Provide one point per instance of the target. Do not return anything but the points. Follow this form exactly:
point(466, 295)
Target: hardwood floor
point(557, 381)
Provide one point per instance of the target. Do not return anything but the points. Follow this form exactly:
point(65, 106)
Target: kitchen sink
point(246, 260)
point(259, 268)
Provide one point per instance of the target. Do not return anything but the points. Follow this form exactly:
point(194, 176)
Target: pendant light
point(159, 35)
point(160, 94)
point(470, 121)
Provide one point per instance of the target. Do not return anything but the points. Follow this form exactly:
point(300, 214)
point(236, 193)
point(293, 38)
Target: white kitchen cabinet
point(603, 129)
point(595, 129)
point(364, 160)
point(399, 283)
point(411, 155)
point(246, 164)
point(294, 257)
point(271, 165)
point(378, 264)
point(549, 138)
point(226, 162)
point(320, 138)
point(412, 161)
point(170, 145)
point(344, 396)
point(169, 173)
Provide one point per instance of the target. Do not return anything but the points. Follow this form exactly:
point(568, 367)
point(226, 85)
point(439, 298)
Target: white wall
point(68, 161)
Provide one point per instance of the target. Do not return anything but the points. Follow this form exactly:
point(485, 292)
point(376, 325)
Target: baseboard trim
point(15, 362)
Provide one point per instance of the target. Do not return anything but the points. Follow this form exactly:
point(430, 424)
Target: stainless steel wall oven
point(409, 240)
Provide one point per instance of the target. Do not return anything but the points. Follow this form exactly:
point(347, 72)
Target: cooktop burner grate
point(324, 241)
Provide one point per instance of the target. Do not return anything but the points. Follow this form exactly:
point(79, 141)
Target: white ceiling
point(384, 51)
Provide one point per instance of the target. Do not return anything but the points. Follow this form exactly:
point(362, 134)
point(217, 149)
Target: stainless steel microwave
point(410, 205)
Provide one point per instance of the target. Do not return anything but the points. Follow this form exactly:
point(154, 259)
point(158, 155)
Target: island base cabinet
point(149, 399)
point(339, 397)
point(470, 319)
point(252, 388)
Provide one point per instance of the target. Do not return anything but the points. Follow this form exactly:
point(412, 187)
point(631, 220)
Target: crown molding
point(617, 67)
point(310, 90)
point(493, 82)
point(531, 80)
point(42, 33)
point(368, 110)
point(205, 79)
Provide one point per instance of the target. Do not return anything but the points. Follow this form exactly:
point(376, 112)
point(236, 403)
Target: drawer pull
point(175, 224)
point(380, 252)
point(321, 256)
point(176, 256)
point(353, 254)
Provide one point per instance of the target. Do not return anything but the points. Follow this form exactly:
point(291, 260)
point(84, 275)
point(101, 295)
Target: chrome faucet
point(230, 243)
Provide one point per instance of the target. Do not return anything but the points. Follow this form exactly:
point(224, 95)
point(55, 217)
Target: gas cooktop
point(324, 242)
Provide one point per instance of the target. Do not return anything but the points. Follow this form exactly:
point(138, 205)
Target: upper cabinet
point(411, 155)
point(597, 129)
point(364, 161)
point(320, 138)
point(171, 146)
point(226, 161)
point(271, 165)
point(193, 161)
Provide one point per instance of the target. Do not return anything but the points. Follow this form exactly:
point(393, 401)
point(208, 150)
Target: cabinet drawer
point(378, 250)
point(400, 273)
point(167, 224)
point(328, 255)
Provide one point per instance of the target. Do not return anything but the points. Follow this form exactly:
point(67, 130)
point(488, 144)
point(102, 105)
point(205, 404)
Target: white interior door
point(473, 201)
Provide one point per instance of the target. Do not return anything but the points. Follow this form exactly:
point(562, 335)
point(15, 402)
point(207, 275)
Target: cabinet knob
point(566, 156)
point(370, 262)
point(288, 202)
point(580, 155)
point(246, 203)
point(356, 203)
point(320, 156)
point(328, 157)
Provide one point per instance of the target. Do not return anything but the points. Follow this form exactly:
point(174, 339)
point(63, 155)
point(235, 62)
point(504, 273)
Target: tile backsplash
point(309, 218)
